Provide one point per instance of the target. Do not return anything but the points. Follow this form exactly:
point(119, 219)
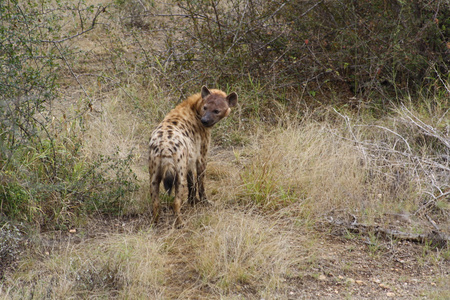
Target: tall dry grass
point(220, 254)
point(124, 266)
point(235, 251)
point(365, 169)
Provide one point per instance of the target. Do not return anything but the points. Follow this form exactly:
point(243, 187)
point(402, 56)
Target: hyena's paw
point(206, 202)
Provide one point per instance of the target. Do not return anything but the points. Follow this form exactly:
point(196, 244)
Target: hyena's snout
point(208, 121)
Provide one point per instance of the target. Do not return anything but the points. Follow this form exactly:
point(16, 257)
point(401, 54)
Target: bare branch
point(100, 10)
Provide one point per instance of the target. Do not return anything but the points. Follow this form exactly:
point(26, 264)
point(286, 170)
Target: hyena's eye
point(204, 107)
point(215, 111)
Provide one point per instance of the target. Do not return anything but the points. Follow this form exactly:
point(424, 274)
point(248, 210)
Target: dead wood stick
point(435, 237)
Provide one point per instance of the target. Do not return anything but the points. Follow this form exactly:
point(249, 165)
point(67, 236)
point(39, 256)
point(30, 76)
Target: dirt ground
point(329, 265)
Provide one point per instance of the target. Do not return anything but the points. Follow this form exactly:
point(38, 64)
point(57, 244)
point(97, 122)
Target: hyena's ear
point(232, 99)
point(205, 92)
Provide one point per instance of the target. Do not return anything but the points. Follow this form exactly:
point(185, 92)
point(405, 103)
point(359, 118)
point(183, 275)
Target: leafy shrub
point(44, 177)
point(374, 49)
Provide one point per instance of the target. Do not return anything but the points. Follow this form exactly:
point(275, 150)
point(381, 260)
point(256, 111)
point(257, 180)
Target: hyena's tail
point(169, 176)
point(169, 180)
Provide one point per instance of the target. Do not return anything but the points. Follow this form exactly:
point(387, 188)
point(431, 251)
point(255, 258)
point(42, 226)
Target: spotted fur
point(179, 145)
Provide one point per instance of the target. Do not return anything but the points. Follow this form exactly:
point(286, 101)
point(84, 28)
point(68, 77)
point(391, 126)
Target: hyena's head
point(216, 106)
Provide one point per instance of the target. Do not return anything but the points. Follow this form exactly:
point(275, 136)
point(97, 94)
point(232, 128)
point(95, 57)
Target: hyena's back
point(168, 155)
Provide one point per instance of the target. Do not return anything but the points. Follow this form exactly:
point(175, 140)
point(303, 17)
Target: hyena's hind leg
point(155, 180)
point(181, 193)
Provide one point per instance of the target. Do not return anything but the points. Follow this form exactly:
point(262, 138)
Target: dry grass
point(258, 241)
point(314, 164)
point(235, 251)
point(220, 253)
point(125, 266)
point(272, 187)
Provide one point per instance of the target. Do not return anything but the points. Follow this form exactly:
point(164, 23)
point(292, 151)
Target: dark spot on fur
point(175, 123)
point(160, 134)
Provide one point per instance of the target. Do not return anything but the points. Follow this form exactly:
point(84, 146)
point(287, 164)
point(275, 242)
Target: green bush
point(325, 50)
point(44, 177)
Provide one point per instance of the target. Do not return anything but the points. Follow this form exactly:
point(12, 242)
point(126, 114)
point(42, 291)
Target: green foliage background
point(44, 177)
point(382, 50)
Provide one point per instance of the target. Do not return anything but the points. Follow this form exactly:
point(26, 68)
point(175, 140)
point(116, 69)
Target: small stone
point(390, 294)
point(359, 282)
point(322, 277)
point(350, 281)
point(384, 286)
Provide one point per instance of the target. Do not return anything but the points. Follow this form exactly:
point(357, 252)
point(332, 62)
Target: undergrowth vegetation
point(343, 119)
point(46, 179)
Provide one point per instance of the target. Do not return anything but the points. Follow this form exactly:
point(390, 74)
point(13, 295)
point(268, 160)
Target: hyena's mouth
point(207, 123)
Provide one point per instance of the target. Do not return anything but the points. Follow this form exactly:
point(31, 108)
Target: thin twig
point(433, 223)
point(100, 10)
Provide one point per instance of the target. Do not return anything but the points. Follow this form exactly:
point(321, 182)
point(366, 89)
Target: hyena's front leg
point(201, 170)
point(192, 186)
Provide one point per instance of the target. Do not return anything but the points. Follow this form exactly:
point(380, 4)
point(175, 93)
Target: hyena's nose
point(205, 122)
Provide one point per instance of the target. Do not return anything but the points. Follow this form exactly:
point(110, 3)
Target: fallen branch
point(435, 237)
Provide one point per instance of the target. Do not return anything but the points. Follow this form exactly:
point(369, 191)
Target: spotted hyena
point(178, 147)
